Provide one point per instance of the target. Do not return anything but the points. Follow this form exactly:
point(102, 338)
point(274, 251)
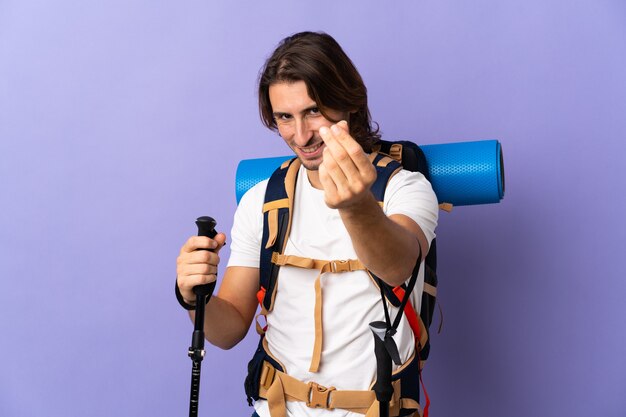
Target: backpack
point(388, 158)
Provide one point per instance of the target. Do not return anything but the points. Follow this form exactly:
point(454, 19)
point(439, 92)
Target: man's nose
point(303, 132)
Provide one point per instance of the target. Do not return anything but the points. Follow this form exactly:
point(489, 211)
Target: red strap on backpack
point(409, 312)
point(413, 319)
point(260, 295)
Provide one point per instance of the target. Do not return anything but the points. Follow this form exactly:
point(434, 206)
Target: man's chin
point(310, 165)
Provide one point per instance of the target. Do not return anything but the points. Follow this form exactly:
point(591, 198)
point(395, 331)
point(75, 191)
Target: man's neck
point(314, 178)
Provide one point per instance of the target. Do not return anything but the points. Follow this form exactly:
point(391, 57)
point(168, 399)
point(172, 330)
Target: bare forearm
point(224, 326)
point(388, 249)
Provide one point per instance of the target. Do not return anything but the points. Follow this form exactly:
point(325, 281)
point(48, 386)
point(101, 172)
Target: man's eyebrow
point(306, 110)
point(311, 107)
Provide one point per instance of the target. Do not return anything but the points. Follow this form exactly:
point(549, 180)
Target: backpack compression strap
point(322, 266)
point(277, 209)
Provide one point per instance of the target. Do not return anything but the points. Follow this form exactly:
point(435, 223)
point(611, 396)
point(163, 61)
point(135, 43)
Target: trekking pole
point(206, 227)
point(384, 352)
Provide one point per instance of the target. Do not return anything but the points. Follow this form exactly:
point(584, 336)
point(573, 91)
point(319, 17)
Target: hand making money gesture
point(346, 172)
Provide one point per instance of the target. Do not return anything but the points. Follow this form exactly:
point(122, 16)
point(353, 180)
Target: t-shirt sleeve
point(247, 231)
point(410, 193)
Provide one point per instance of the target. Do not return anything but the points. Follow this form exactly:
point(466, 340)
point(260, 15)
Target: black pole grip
point(382, 387)
point(206, 227)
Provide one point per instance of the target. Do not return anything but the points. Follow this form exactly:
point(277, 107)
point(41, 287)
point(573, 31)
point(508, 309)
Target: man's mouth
point(311, 150)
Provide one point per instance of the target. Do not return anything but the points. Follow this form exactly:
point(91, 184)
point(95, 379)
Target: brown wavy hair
point(331, 78)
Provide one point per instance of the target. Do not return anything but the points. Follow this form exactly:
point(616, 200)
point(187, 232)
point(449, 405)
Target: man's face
point(299, 119)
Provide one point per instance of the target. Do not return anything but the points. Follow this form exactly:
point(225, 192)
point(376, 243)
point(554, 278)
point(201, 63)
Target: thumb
point(220, 238)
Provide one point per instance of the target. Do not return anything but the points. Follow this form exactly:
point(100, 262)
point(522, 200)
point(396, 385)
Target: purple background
point(122, 121)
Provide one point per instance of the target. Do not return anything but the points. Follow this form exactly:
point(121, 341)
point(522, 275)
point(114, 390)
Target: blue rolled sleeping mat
point(461, 173)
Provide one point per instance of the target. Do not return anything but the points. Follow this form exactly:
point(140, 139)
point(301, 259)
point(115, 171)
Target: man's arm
point(229, 313)
point(388, 246)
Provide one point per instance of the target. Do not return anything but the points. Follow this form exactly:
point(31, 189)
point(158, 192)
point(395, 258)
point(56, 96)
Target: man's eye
point(282, 117)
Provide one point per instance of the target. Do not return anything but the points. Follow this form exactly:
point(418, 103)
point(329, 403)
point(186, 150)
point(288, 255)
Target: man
point(311, 93)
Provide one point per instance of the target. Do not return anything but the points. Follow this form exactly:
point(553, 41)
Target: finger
point(220, 238)
point(328, 137)
point(187, 283)
point(333, 171)
point(341, 158)
point(199, 257)
point(200, 269)
point(343, 125)
point(199, 242)
point(353, 149)
point(329, 186)
point(327, 182)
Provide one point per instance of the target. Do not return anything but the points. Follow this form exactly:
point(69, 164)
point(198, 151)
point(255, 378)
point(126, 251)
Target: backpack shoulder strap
point(386, 167)
point(277, 214)
point(409, 154)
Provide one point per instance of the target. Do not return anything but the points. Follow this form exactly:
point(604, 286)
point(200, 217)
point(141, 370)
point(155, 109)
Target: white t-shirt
point(350, 300)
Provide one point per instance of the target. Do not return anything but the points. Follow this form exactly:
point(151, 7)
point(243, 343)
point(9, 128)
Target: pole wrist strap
point(181, 300)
